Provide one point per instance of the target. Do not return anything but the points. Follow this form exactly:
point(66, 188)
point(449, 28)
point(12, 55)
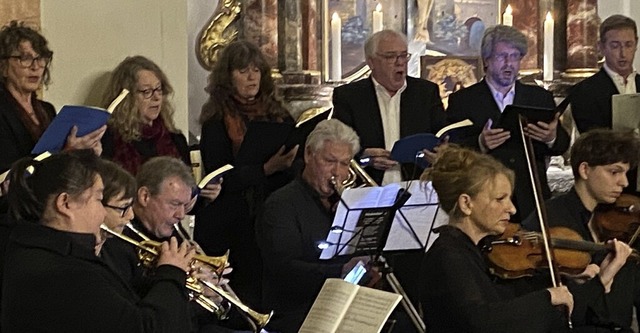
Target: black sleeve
point(216, 150)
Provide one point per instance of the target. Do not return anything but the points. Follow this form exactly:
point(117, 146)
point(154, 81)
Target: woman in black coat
point(55, 281)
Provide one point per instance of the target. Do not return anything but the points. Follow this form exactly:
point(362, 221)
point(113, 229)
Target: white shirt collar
point(381, 88)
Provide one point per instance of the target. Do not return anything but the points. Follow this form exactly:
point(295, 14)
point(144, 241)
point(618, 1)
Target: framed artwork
point(451, 73)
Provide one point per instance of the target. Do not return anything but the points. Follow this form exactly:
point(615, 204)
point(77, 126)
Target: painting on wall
point(451, 73)
point(454, 27)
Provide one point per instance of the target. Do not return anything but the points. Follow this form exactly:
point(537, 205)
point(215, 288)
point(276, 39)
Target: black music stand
point(369, 235)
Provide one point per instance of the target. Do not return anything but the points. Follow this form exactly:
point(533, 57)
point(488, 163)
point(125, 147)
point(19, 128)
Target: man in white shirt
point(388, 106)
point(591, 98)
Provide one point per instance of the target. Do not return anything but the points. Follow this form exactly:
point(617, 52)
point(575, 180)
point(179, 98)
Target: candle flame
point(549, 17)
point(378, 7)
point(335, 16)
point(508, 10)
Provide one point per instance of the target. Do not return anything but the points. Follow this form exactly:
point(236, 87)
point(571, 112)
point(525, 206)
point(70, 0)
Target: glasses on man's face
point(27, 61)
point(147, 93)
point(393, 58)
point(503, 57)
point(123, 210)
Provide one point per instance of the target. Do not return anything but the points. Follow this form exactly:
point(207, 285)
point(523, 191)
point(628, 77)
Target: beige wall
point(90, 37)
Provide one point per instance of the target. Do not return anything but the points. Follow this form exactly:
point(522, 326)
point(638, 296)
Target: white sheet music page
point(421, 212)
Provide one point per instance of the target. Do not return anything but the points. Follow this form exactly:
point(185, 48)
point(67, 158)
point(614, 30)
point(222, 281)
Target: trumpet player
point(161, 200)
point(52, 269)
point(297, 217)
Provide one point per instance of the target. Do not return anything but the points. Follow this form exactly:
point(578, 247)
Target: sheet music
point(625, 115)
point(421, 211)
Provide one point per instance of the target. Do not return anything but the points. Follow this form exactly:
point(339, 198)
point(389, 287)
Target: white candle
point(507, 17)
point(547, 69)
point(336, 47)
point(626, 8)
point(377, 18)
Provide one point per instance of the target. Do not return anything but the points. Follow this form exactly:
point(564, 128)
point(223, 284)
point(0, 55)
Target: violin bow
point(540, 209)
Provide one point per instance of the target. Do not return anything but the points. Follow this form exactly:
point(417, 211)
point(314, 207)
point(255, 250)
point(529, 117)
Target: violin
point(519, 253)
point(620, 220)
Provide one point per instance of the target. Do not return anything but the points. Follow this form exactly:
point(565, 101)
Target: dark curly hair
point(10, 38)
point(604, 146)
point(238, 55)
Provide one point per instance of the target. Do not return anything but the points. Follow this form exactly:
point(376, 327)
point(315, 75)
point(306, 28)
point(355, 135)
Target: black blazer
point(15, 140)
point(421, 111)
point(476, 103)
point(591, 101)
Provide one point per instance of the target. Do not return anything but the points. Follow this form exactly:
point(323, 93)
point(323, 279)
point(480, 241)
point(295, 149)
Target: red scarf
point(156, 135)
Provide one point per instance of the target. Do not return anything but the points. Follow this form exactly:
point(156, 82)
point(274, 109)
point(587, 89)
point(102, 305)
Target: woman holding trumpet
point(52, 269)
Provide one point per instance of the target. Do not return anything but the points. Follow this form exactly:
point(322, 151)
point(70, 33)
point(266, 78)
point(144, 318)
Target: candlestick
point(377, 18)
point(507, 17)
point(336, 47)
point(547, 69)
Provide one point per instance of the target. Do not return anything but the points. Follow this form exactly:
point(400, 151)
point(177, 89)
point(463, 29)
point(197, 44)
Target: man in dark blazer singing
point(591, 98)
point(388, 106)
point(502, 50)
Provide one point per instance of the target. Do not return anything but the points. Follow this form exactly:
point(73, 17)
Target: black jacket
point(54, 282)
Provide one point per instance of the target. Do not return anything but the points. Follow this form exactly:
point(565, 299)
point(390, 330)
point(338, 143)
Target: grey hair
point(371, 45)
point(335, 131)
point(154, 171)
point(502, 33)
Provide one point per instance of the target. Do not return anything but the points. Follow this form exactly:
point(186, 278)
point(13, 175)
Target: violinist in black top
point(599, 159)
point(459, 294)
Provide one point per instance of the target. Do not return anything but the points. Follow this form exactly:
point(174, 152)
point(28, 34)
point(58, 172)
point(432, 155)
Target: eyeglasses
point(147, 93)
point(392, 58)
point(123, 210)
point(502, 57)
point(27, 61)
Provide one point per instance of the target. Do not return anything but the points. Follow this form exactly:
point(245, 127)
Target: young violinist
point(600, 160)
point(459, 294)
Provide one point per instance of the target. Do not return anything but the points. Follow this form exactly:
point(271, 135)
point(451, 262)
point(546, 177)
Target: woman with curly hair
point(142, 125)
point(25, 59)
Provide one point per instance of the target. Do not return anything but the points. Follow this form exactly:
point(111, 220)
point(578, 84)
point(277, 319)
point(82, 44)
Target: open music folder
point(361, 208)
point(625, 116)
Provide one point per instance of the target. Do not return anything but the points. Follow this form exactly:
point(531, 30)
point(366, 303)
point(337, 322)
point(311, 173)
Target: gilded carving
point(219, 32)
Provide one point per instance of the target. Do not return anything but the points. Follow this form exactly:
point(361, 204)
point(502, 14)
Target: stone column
point(260, 26)
point(289, 36)
point(582, 35)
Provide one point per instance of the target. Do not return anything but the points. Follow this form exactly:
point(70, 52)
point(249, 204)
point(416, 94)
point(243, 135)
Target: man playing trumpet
point(296, 218)
point(162, 199)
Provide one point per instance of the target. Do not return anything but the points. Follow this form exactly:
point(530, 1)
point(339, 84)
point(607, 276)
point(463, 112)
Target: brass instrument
point(355, 172)
point(148, 254)
point(256, 319)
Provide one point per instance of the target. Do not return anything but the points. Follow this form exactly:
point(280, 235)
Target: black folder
point(509, 118)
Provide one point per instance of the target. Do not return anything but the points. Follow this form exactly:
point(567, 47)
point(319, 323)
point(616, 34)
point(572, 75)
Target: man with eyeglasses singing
point(388, 106)
point(502, 50)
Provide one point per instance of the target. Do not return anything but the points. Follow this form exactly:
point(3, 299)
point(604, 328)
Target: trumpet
point(355, 172)
point(256, 319)
point(148, 254)
point(148, 251)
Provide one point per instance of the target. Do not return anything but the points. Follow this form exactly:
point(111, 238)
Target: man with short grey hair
point(502, 50)
point(388, 106)
point(295, 219)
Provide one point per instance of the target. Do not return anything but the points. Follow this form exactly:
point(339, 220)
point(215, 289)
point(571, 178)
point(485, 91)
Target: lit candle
point(547, 69)
point(507, 17)
point(336, 47)
point(377, 18)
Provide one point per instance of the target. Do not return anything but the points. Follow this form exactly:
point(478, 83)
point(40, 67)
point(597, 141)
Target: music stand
point(367, 233)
